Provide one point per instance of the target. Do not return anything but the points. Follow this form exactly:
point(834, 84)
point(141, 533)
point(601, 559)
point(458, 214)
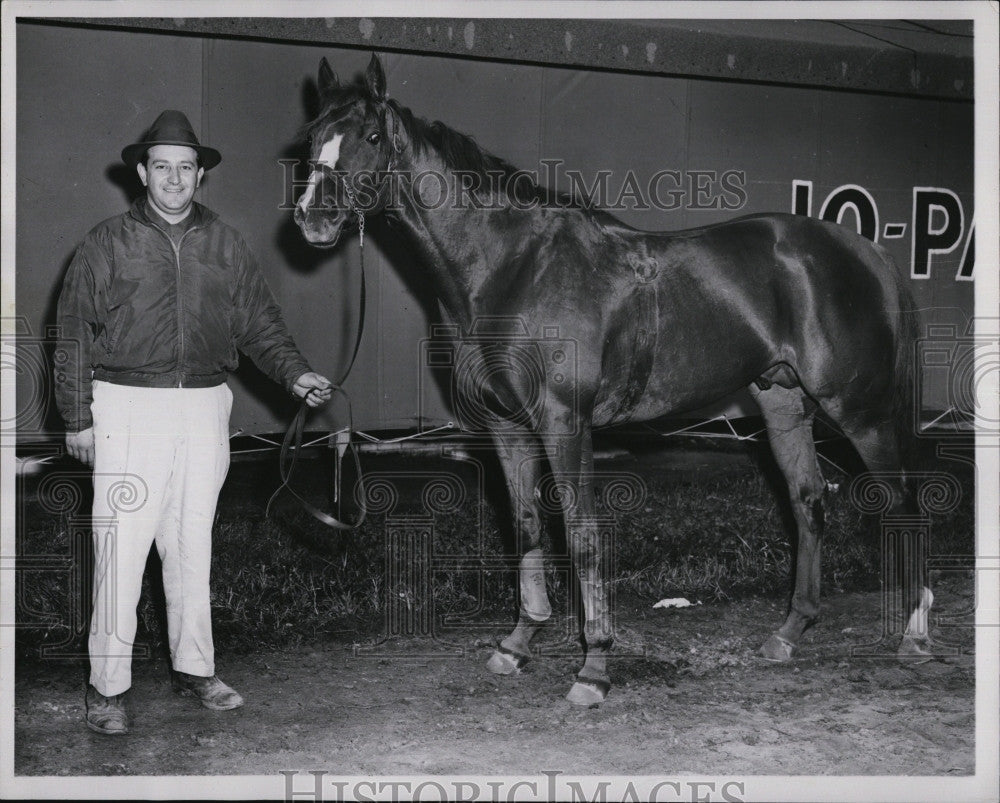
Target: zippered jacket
point(136, 309)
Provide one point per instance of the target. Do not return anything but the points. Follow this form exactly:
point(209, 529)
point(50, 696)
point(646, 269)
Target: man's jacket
point(136, 309)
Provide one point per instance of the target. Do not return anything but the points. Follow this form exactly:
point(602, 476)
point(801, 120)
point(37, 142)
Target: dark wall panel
point(81, 97)
point(621, 124)
point(256, 103)
point(768, 133)
point(83, 93)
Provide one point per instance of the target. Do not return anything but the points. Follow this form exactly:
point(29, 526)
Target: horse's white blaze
point(328, 156)
point(307, 197)
point(330, 152)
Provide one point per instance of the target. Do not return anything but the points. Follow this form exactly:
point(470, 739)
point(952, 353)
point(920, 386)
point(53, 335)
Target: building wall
point(83, 93)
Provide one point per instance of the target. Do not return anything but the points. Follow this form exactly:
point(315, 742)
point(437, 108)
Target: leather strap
point(291, 446)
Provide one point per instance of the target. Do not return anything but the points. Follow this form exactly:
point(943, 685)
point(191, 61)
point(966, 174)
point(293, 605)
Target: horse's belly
point(683, 376)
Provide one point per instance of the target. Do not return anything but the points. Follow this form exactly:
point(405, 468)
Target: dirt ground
point(690, 697)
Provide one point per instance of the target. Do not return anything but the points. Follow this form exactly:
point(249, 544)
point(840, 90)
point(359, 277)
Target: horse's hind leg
point(522, 457)
point(878, 446)
point(789, 430)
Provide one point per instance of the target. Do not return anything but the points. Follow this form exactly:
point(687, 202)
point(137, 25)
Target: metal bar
point(402, 438)
point(832, 54)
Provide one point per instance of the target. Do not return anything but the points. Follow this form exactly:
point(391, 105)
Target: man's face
point(171, 175)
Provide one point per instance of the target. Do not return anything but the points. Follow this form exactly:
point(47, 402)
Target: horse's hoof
point(588, 692)
point(777, 648)
point(915, 650)
point(505, 663)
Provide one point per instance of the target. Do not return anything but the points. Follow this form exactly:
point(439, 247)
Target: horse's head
point(352, 144)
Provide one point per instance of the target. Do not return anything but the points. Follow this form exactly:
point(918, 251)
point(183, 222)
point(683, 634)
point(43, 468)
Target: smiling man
point(156, 303)
point(171, 175)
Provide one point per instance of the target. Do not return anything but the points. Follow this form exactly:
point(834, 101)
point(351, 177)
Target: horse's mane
point(460, 152)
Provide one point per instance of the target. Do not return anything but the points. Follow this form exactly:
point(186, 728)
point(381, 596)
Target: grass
point(287, 581)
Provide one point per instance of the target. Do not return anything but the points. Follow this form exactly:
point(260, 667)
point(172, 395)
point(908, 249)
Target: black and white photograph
point(500, 401)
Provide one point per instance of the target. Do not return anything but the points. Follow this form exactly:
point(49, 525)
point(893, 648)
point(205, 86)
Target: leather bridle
point(291, 446)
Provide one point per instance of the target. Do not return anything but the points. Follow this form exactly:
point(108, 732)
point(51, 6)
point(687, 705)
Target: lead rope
point(291, 446)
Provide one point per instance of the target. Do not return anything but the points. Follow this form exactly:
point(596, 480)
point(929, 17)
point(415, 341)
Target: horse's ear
point(328, 80)
point(376, 78)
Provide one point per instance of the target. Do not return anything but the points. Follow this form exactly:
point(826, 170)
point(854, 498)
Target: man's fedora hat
point(171, 128)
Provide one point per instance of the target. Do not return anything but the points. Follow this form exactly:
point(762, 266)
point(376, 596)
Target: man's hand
point(314, 388)
point(81, 445)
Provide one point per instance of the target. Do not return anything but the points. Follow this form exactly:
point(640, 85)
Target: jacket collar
point(200, 215)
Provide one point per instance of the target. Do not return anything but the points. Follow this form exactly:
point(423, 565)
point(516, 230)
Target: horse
point(806, 314)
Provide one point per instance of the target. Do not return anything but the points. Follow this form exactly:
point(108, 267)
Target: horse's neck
point(454, 241)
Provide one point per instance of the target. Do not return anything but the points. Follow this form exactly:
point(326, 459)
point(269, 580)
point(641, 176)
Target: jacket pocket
point(115, 328)
point(121, 298)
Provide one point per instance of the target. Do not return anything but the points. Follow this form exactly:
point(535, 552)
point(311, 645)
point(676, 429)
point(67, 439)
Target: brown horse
point(624, 325)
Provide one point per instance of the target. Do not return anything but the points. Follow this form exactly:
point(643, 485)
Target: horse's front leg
point(572, 461)
point(522, 458)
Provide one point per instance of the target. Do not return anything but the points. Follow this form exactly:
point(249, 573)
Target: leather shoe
point(212, 692)
point(106, 714)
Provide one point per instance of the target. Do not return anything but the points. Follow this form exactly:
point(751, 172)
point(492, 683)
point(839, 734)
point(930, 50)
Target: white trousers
point(160, 458)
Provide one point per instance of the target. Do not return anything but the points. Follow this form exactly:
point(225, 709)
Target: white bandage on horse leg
point(918, 626)
point(534, 599)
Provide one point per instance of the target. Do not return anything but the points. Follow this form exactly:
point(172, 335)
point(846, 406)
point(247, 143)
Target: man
point(154, 306)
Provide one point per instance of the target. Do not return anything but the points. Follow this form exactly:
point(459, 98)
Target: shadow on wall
point(299, 255)
point(303, 257)
point(128, 182)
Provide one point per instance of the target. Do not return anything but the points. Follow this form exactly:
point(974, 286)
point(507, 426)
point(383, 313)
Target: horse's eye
point(374, 138)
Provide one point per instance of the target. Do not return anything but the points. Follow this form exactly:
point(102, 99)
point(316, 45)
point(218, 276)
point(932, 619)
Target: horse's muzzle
point(321, 228)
